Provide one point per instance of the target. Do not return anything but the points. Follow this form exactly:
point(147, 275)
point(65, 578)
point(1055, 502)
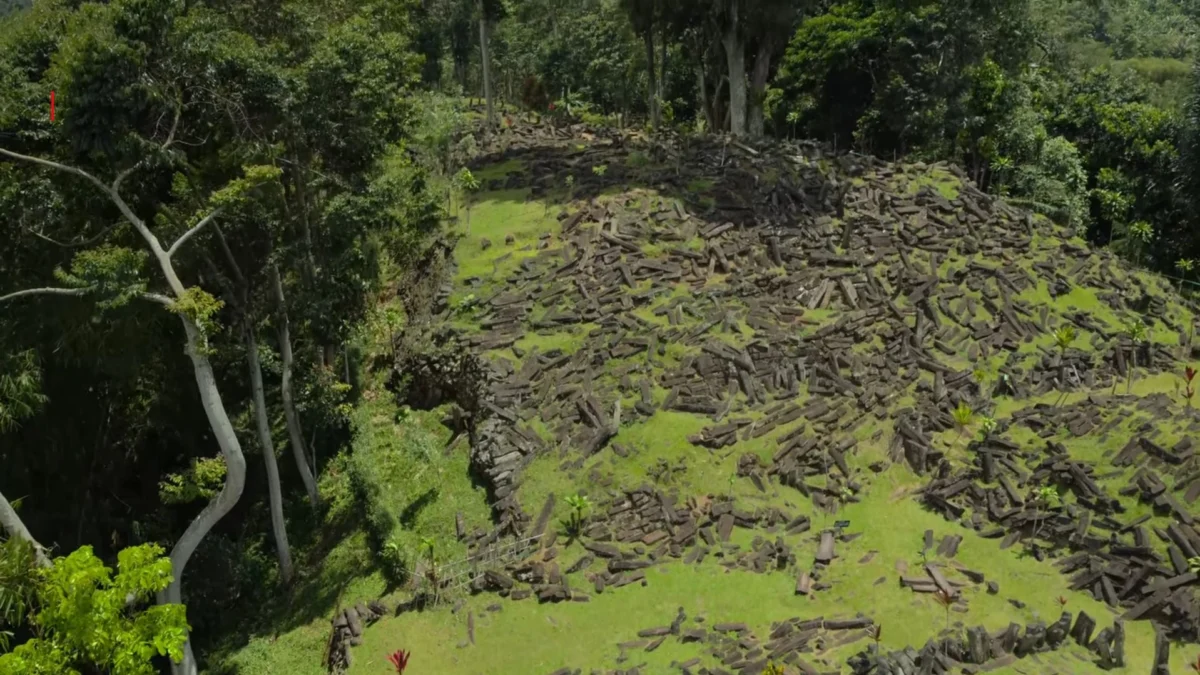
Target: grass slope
point(525, 638)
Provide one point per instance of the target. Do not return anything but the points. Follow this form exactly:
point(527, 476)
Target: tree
point(1184, 265)
point(114, 272)
point(643, 14)
point(82, 621)
point(488, 12)
point(732, 39)
point(239, 297)
point(20, 396)
point(768, 25)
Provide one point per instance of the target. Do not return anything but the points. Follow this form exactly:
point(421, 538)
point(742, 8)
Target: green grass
point(585, 634)
point(405, 453)
point(495, 216)
point(946, 184)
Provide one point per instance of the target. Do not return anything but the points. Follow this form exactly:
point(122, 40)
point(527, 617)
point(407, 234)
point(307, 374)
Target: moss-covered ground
point(407, 449)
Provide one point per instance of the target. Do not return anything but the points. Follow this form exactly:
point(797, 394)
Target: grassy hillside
point(632, 265)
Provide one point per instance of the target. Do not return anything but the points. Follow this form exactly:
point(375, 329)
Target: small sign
point(841, 524)
point(51, 105)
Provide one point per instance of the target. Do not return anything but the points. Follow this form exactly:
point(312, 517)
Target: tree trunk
point(486, 63)
point(295, 432)
point(758, 90)
point(735, 58)
point(662, 66)
point(651, 83)
point(702, 87)
point(301, 187)
point(12, 524)
point(231, 491)
point(263, 426)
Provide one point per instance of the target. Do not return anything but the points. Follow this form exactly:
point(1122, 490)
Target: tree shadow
point(716, 181)
point(321, 579)
point(408, 517)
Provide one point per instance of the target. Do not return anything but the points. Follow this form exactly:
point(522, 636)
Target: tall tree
point(729, 18)
point(643, 15)
point(489, 12)
point(20, 397)
point(768, 25)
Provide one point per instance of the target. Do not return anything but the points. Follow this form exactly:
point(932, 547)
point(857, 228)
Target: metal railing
point(458, 573)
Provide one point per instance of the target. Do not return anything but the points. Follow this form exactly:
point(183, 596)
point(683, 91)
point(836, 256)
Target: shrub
point(390, 556)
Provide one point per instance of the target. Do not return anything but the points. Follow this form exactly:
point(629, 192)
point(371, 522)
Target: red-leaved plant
point(1195, 664)
point(1189, 374)
point(399, 658)
point(1062, 601)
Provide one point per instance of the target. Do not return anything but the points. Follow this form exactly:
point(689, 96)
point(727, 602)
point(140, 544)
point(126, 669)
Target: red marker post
point(51, 105)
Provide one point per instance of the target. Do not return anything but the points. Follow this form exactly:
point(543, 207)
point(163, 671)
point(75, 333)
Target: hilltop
point(795, 397)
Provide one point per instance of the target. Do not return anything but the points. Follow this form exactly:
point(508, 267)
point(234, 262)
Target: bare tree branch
point(156, 298)
point(192, 232)
point(237, 271)
point(75, 292)
point(151, 240)
point(56, 165)
point(116, 185)
point(74, 244)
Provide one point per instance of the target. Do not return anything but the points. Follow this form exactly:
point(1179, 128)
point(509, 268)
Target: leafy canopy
point(82, 622)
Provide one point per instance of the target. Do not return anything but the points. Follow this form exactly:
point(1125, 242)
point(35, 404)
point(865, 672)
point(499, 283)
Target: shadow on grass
point(320, 580)
point(408, 517)
point(718, 183)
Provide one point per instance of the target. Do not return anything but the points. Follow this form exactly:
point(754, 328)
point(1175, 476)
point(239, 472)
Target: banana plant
point(963, 415)
point(1047, 497)
point(1184, 265)
point(579, 505)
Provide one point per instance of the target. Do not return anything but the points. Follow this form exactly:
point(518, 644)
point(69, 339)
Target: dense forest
point(192, 247)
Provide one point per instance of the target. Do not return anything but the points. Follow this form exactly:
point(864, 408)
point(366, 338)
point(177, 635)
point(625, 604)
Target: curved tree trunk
point(12, 524)
point(295, 431)
point(278, 525)
point(735, 58)
point(206, 383)
point(225, 500)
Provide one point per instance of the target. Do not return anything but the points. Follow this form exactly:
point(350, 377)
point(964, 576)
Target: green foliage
point(1048, 496)
point(987, 426)
point(466, 181)
point(112, 273)
point(438, 124)
point(600, 169)
point(82, 622)
point(963, 415)
point(1142, 231)
point(910, 75)
point(580, 505)
point(202, 480)
point(200, 307)
point(1064, 336)
point(237, 191)
point(20, 388)
point(774, 669)
point(391, 555)
point(1136, 330)
point(18, 584)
